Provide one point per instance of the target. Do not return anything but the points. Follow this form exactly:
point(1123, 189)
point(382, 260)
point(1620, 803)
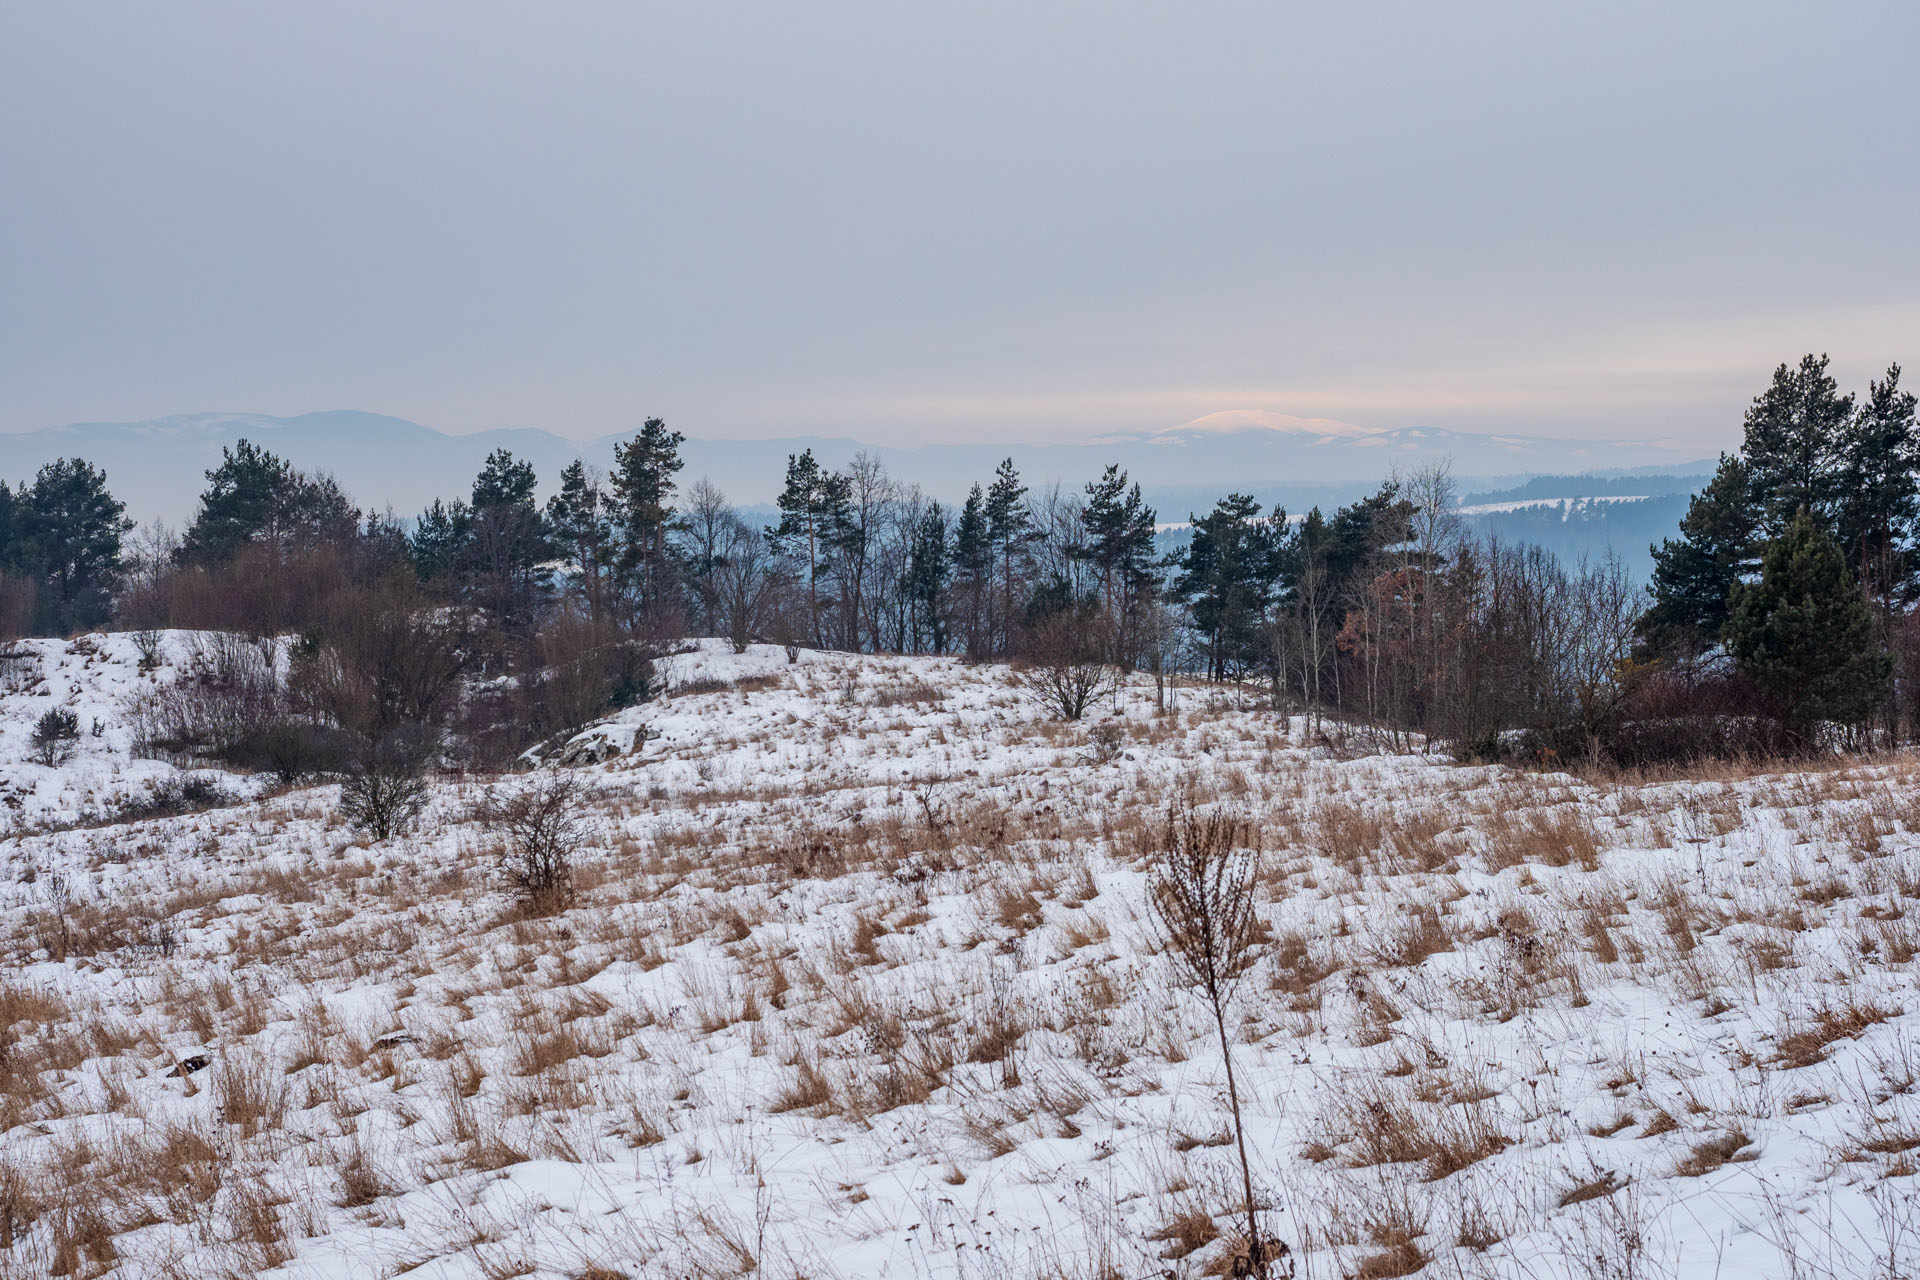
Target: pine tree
point(808, 504)
point(929, 570)
point(849, 544)
point(385, 548)
point(1878, 498)
point(245, 494)
point(67, 536)
point(643, 511)
point(439, 541)
point(1226, 577)
point(1794, 435)
point(582, 533)
point(1695, 574)
point(1358, 532)
point(1008, 527)
point(508, 544)
point(254, 495)
point(972, 569)
point(1805, 635)
point(1120, 534)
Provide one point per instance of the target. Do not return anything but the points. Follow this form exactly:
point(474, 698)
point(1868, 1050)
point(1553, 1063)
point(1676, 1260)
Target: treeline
point(1780, 619)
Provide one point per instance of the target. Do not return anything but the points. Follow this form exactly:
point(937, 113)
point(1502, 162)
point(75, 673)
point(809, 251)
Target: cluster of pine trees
point(1795, 569)
point(1786, 601)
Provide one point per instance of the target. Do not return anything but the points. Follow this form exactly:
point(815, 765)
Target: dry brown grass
point(953, 960)
point(1187, 1232)
point(810, 1091)
point(1376, 1123)
point(1559, 837)
point(1809, 1044)
point(250, 1094)
point(1714, 1152)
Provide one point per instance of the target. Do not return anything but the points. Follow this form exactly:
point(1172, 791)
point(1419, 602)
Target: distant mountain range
point(157, 466)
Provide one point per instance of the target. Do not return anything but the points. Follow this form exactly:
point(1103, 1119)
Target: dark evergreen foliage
point(1795, 437)
point(582, 533)
point(63, 533)
point(642, 509)
point(1227, 580)
point(810, 507)
point(1694, 574)
point(1878, 498)
point(507, 547)
point(254, 495)
point(1805, 635)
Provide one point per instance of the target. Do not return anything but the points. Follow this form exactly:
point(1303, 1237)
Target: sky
point(1026, 222)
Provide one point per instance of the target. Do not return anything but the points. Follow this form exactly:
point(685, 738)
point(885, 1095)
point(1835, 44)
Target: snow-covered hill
point(100, 679)
point(859, 981)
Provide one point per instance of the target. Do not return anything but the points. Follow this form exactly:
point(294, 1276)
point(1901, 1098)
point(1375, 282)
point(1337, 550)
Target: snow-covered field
point(1566, 506)
point(859, 982)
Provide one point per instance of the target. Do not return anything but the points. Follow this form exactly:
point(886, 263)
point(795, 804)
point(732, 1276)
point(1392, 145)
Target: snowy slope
point(859, 982)
point(99, 678)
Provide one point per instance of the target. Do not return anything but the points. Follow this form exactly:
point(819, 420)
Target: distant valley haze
point(1533, 237)
point(156, 466)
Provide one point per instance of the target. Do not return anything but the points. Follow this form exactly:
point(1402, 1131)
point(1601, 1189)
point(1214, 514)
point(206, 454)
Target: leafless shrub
point(1105, 742)
point(544, 825)
point(146, 642)
point(386, 783)
point(1065, 673)
point(229, 690)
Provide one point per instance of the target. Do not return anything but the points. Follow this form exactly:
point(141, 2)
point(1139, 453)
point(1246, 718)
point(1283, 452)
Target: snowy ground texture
point(858, 982)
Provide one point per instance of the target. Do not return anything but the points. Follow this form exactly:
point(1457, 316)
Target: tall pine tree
point(929, 570)
point(1120, 533)
point(973, 571)
point(1008, 528)
point(1795, 433)
point(1694, 574)
point(809, 504)
point(583, 535)
point(508, 547)
point(1877, 497)
point(257, 496)
point(67, 537)
point(1226, 578)
point(643, 510)
point(1805, 635)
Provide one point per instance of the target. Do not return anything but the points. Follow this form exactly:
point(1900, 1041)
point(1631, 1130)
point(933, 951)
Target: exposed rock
point(590, 748)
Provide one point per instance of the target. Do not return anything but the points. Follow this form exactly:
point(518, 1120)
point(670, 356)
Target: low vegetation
point(819, 981)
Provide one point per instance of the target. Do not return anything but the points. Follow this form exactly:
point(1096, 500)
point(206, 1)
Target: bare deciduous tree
point(747, 584)
point(1202, 901)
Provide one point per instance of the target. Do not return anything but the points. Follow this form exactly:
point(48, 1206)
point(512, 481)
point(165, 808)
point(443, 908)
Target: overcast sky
point(903, 222)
